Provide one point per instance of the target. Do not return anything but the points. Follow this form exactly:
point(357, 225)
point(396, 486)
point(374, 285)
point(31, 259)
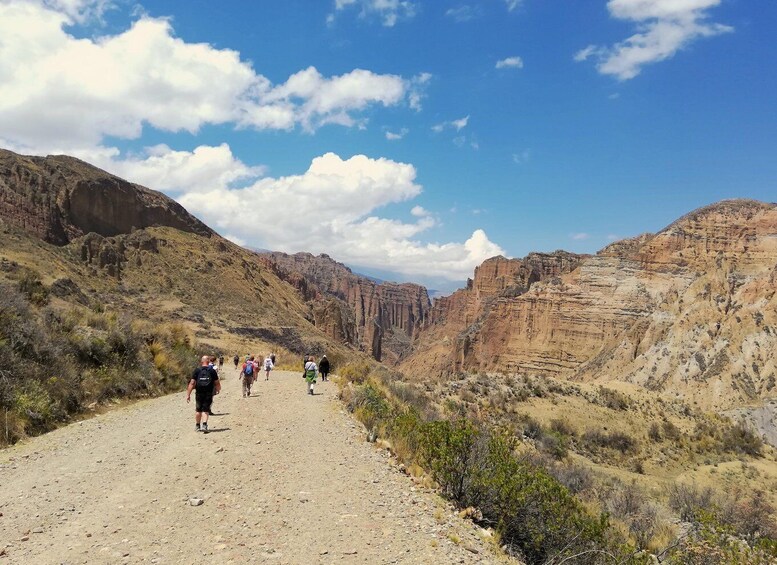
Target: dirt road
point(285, 478)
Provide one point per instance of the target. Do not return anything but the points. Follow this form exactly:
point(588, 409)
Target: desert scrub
point(618, 441)
point(475, 465)
point(56, 363)
point(710, 542)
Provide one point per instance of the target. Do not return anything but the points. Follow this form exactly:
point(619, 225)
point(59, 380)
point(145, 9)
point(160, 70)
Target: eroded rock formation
point(690, 311)
point(60, 198)
point(380, 318)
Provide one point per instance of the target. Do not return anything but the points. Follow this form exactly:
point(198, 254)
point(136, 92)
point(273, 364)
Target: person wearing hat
point(323, 368)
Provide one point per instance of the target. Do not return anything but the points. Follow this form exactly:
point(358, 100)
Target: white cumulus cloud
point(664, 27)
point(510, 63)
point(330, 208)
point(59, 91)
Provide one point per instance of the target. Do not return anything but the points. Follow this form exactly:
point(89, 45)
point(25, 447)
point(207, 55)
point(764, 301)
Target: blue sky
point(603, 119)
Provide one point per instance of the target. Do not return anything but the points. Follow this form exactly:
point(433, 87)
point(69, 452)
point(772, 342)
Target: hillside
point(97, 272)
point(688, 312)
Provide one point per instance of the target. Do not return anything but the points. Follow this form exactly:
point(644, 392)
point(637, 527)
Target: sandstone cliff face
point(59, 198)
point(690, 311)
point(381, 319)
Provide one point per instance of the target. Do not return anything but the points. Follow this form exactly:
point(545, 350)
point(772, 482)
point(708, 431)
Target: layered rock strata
point(690, 311)
point(379, 318)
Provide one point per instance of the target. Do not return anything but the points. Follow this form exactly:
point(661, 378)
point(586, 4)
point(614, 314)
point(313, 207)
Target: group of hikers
point(249, 372)
point(205, 382)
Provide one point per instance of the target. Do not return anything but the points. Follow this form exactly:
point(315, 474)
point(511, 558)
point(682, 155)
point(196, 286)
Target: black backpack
point(204, 377)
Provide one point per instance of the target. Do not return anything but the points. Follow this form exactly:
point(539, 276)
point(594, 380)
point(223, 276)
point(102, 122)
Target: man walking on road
point(205, 382)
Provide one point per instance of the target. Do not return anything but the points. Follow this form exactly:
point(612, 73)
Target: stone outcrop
point(60, 198)
point(382, 319)
point(109, 254)
point(690, 311)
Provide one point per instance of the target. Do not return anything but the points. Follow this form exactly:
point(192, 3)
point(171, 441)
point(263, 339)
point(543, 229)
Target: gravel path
point(285, 478)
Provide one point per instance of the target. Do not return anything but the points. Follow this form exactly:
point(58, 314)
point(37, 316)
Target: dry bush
point(563, 427)
point(619, 441)
point(613, 399)
point(688, 500)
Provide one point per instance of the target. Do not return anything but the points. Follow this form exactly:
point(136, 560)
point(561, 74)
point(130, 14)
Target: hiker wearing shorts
point(268, 366)
point(310, 374)
point(323, 368)
point(247, 374)
point(205, 382)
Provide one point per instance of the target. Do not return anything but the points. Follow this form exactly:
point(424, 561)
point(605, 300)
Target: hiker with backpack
point(268, 366)
point(212, 365)
point(323, 368)
point(310, 374)
point(247, 374)
point(205, 384)
point(221, 360)
point(236, 360)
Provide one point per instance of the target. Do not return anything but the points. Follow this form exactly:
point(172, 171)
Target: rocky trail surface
point(283, 478)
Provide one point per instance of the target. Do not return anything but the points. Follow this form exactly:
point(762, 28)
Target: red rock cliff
point(60, 198)
point(690, 311)
point(380, 318)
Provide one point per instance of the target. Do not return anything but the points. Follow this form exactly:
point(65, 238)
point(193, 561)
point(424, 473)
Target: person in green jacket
point(310, 374)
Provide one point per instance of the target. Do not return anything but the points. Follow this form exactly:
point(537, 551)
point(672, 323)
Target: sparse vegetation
point(618, 441)
point(535, 515)
point(57, 363)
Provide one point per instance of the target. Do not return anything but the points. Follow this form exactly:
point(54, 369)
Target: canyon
point(689, 312)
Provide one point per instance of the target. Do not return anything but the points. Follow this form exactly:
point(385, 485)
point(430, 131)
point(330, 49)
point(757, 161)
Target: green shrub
point(447, 452)
point(740, 438)
point(30, 284)
point(355, 372)
point(613, 399)
point(536, 517)
point(555, 444)
point(563, 427)
point(614, 440)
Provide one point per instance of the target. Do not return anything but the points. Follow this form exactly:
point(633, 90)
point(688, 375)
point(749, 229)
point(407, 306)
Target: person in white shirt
point(268, 366)
point(310, 374)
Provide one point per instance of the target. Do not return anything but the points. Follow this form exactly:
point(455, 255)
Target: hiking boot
point(196, 427)
point(204, 428)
